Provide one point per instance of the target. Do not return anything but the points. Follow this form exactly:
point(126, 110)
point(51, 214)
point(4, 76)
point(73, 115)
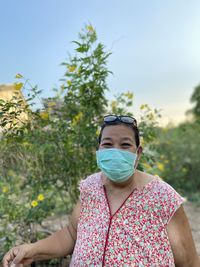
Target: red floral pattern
point(134, 236)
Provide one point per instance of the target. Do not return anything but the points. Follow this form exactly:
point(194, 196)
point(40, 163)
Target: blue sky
point(155, 46)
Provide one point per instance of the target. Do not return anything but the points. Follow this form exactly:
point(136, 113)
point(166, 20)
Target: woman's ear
point(139, 151)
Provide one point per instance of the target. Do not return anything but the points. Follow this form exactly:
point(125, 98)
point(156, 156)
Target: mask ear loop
point(136, 161)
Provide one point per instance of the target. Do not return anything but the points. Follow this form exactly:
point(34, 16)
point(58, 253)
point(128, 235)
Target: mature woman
point(125, 217)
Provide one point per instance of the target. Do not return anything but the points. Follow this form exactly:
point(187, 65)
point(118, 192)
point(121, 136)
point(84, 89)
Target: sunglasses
point(124, 119)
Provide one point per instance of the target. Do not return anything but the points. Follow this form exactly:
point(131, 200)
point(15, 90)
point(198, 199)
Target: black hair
point(133, 127)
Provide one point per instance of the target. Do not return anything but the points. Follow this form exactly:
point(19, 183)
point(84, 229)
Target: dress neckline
point(144, 188)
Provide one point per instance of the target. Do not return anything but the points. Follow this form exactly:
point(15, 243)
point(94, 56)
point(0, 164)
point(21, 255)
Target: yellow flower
point(5, 189)
point(34, 203)
point(160, 166)
point(147, 166)
point(142, 140)
point(18, 86)
point(129, 95)
point(72, 68)
point(44, 115)
point(114, 105)
point(11, 173)
point(26, 143)
point(90, 28)
point(69, 83)
point(97, 132)
point(52, 104)
point(77, 118)
point(40, 197)
point(142, 107)
point(18, 76)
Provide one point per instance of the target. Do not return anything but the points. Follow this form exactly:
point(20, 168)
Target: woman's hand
point(19, 256)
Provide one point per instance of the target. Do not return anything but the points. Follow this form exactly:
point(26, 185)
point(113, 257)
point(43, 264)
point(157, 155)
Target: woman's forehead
point(117, 131)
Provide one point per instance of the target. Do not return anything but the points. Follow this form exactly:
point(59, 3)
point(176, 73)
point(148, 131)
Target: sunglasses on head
point(124, 119)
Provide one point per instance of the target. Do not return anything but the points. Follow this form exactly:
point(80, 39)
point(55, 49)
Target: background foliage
point(43, 158)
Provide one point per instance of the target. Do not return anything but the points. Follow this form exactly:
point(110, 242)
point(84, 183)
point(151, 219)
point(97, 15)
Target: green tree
point(45, 156)
point(179, 157)
point(195, 98)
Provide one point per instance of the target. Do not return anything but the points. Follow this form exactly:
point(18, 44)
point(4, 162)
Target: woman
point(125, 217)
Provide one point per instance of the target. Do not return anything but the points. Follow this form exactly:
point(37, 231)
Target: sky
point(155, 46)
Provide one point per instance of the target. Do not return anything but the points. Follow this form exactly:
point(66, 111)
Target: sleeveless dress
point(134, 236)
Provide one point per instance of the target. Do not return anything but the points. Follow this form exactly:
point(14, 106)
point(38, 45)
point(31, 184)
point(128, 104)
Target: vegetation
point(43, 157)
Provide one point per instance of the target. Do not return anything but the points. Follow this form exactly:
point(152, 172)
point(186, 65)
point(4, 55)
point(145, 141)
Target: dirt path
point(193, 214)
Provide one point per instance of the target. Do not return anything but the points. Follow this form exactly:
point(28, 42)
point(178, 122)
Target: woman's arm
point(60, 243)
point(181, 240)
point(56, 245)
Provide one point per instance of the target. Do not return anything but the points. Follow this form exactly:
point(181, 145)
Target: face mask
point(116, 164)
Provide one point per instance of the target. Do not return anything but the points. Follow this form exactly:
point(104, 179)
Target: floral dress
point(135, 235)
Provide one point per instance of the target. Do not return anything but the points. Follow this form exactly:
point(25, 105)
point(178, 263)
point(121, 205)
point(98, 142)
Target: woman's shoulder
point(168, 198)
point(156, 183)
point(91, 182)
point(163, 197)
point(161, 191)
point(162, 187)
point(144, 180)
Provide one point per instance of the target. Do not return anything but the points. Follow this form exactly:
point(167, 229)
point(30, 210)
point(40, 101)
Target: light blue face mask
point(116, 164)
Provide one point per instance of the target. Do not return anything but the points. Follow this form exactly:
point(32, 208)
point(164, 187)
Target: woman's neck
point(125, 186)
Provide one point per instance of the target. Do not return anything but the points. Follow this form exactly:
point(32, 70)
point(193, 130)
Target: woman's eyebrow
point(122, 139)
point(127, 139)
point(107, 139)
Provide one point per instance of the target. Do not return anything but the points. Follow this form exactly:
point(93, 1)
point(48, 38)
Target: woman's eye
point(107, 144)
point(126, 144)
